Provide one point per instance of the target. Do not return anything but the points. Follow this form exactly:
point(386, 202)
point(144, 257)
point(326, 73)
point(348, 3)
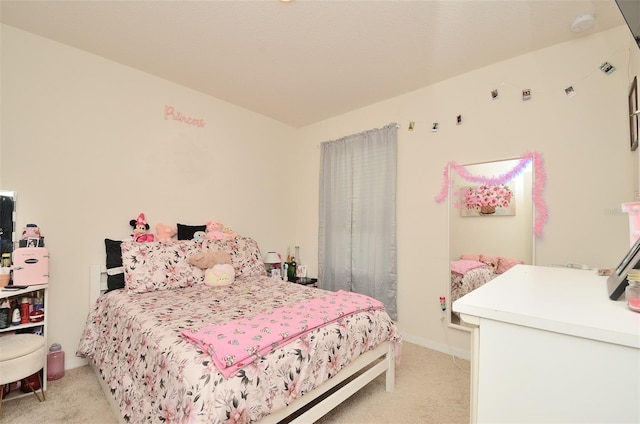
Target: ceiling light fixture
point(582, 23)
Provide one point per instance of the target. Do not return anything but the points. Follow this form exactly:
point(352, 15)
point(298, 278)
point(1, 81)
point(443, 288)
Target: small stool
point(21, 355)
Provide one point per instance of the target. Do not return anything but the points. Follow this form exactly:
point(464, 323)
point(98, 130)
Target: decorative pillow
point(115, 271)
point(506, 264)
point(219, 275)
point(209, 258)
point(491, 261)
point(160, 265)
point(245, 255)
point(186, 232)
point(467, 257)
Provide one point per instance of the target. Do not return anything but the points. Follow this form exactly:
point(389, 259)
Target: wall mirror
point(490, 225)
point(7, 220)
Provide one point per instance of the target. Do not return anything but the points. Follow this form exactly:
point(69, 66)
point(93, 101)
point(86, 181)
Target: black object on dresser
point(305, 281)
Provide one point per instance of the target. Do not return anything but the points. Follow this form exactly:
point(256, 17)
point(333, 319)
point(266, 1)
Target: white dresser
point(549, 346)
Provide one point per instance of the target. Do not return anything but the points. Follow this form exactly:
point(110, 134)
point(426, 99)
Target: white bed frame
point(379, 360)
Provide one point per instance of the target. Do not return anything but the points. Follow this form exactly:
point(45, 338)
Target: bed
point(135, 340)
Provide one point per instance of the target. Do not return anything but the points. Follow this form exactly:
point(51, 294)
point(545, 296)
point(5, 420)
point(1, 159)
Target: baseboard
point(430, 344)
point(75, 362)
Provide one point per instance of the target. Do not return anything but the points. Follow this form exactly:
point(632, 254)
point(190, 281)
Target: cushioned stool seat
point(21, 355)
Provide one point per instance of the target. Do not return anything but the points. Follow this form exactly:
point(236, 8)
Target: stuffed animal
point(30, 231)
point(219, 275)
point(31, 236)
point(217, 231)
point(140, 229)
point(199, 235)
point(165, 232)
point(217, 267)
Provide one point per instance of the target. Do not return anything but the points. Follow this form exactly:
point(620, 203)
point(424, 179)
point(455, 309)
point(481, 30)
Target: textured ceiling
point(301, 62)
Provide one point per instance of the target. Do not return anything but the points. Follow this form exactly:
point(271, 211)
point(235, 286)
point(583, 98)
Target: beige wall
point(85, 145)
point(583, 139)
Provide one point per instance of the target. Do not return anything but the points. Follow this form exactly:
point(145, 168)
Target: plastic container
point(38, 302)
point(25, 308)
point(4, 279)
point(55, 362)
point(15, 317)
point(5, 315)
point(632, 294)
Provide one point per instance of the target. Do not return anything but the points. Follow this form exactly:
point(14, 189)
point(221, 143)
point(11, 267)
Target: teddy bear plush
point(217, 231)
point(217, 267)
point(165, 232)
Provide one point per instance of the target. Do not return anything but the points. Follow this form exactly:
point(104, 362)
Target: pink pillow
point(507, 263)
point(490, 260)
point(463, 265)
point(244, 252)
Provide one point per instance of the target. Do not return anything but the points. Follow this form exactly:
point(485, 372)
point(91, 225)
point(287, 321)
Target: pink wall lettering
point(171, 113)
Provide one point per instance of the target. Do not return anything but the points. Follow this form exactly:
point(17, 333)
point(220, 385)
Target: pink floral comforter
point(155, 375)
point(471, 280)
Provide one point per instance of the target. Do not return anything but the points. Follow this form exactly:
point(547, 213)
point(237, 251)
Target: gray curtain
point(357, 234)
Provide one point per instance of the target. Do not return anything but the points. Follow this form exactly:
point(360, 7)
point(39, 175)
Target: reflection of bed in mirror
point(472, 271)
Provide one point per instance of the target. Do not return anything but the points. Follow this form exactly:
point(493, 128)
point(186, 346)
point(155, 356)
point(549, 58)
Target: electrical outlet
point(443, 303)
point(443, 307)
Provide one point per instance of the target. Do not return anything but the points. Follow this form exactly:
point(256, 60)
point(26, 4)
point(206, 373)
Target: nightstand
point(305, 281)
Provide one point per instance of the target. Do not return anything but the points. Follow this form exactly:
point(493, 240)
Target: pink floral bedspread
point(471, 280)
point(237, 343)
point(155, 375)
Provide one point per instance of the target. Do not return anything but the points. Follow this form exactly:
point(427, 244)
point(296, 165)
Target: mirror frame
point(12, 194)
point(453, 195)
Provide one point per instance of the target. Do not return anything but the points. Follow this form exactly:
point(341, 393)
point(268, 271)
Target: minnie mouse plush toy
point(140, 229)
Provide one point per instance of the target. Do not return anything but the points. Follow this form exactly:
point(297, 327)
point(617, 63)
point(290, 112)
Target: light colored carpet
point(430, 388)
point(74, 399)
